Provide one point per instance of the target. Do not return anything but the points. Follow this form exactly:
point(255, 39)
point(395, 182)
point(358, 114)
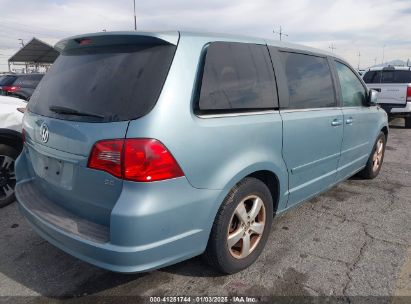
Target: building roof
point(36, 51)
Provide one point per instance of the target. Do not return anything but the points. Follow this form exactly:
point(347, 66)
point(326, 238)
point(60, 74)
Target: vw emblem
point(44, 132)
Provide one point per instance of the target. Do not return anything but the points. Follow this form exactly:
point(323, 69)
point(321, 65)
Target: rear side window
point(237, 77)
point(28, 81)
point(309, 81)
point(388, 76)
point(114, 83)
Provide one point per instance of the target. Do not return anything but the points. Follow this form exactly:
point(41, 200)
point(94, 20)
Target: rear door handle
point(349, 121)
point(336, 122)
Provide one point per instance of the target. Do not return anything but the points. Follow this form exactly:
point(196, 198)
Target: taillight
point(147, 160)
point(140, 160)
point(10, 89)
point(409, 93)
point(106, 156)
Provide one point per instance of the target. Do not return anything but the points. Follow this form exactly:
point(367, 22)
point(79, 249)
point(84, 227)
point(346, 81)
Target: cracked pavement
point(352, 240)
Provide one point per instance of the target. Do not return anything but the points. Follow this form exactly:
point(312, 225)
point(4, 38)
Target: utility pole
point(383, 50)
point(375, 61)
point(135, 17)
point(359, 56)
point(332, 47)
point(280, 33)
point(21, 42)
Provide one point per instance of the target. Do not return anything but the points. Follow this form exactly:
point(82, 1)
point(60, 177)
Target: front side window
point(237, 77)
point(352, 90)
point(309, 81)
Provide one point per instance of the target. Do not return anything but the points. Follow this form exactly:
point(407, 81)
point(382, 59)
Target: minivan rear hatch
point(96, 86)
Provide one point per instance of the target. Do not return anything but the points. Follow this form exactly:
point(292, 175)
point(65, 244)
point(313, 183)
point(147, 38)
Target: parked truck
point(394, 87)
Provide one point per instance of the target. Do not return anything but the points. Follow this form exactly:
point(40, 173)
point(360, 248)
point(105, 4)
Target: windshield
point(114, 83)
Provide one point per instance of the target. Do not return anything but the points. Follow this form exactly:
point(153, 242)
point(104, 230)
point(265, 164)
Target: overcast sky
point(352, 26)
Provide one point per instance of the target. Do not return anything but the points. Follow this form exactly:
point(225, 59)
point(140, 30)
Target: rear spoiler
point(117, 38)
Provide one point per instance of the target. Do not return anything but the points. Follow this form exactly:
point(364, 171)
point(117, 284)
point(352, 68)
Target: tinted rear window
point(309, 81)
point(388, 76)
point(237, 77)
point(7, 80)
point(116, 82)
point(28, 81)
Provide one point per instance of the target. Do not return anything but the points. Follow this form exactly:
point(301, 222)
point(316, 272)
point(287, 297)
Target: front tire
point(241, 227)
point(8, 156)
point(407, 122)
point(374, 163)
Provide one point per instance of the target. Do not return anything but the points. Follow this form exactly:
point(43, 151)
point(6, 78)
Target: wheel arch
point(275, 178)
point(385, 131)
point(270, 179)
point(11, 138)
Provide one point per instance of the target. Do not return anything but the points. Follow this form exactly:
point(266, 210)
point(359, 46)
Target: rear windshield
point(28, 81)
point(7, 80)
point(388, 76)
point(113, 83)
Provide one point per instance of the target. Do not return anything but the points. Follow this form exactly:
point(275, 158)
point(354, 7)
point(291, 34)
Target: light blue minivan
point(145, 149)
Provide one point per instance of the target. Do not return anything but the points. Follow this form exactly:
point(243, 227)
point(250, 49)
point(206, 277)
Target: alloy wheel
point(378, 153)
point(246, 227)
point(7, 177)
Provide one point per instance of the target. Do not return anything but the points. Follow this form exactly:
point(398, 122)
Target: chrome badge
point(44, 132)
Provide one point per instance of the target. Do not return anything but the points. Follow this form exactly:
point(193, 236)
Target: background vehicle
point(19, 85)
point(11, 116)
point(191, 149)
point(394, 87)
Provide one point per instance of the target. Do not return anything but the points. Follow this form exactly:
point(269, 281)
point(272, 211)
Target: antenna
point(280, 33)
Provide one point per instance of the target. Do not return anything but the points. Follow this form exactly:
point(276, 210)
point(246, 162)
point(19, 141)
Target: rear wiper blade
point(68, 111)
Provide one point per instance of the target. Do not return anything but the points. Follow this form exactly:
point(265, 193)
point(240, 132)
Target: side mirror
point(372, 98)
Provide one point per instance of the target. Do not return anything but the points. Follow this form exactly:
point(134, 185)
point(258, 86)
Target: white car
point(11, 143)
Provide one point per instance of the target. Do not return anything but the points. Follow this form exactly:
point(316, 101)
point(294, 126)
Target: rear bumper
point(151, 226)
point(397, 110)
point(118, 258)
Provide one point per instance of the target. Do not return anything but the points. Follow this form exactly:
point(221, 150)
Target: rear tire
point(374, 163)
point(241, 227)
point(8, 156)
point(407, 122)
